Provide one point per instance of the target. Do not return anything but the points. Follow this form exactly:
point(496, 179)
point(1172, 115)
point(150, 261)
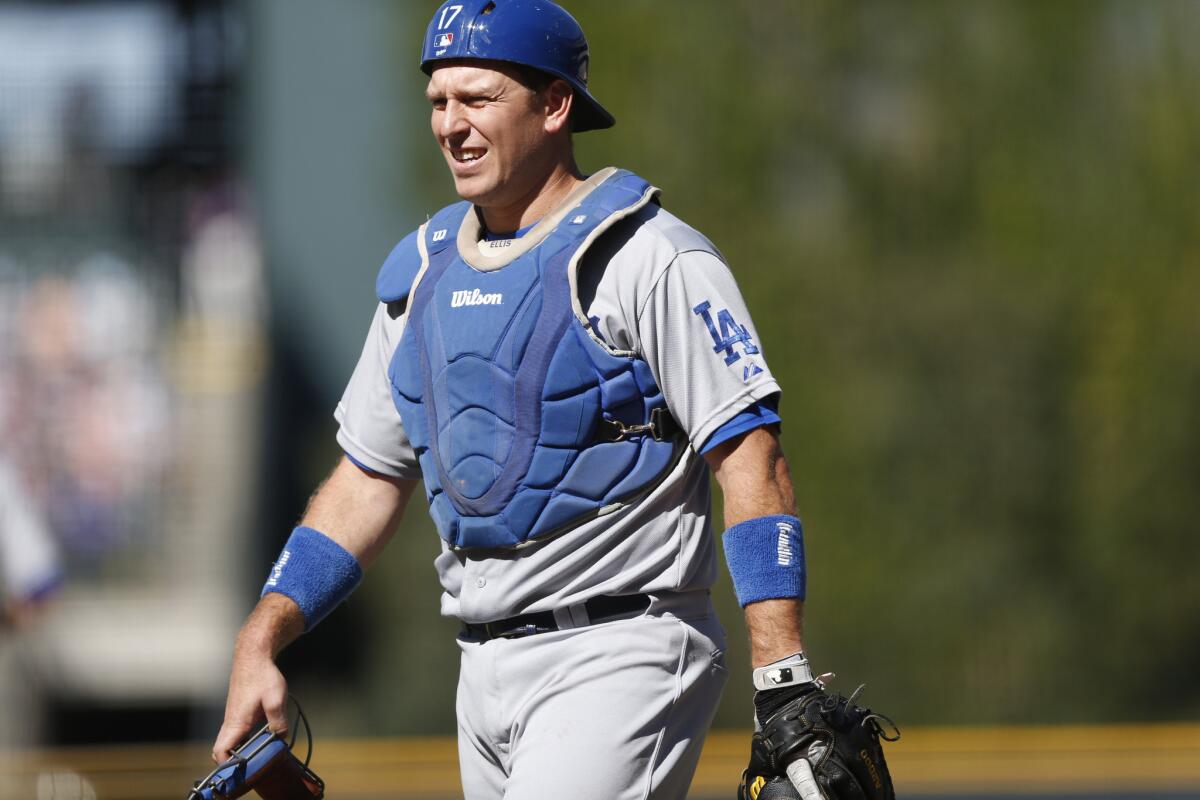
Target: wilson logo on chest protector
point(474, 297)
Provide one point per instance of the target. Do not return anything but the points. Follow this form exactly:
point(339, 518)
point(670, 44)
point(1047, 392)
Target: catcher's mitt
point(816, 745)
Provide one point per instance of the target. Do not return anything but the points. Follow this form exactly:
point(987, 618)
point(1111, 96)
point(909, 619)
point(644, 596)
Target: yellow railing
point(1067, 760)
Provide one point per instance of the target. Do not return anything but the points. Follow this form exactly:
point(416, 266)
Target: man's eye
point(438, 103)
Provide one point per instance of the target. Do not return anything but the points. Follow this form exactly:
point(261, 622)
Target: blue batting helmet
point(535, 33)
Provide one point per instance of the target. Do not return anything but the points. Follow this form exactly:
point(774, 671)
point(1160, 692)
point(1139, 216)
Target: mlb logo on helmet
point(443, 40)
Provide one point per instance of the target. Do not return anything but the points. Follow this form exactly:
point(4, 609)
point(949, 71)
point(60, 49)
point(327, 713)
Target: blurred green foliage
point(969, 236)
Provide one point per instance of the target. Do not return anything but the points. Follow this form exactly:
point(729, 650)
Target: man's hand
point(257, 688)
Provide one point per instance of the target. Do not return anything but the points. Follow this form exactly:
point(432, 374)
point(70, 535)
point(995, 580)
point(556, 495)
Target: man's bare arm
point(755, 482)
point(359, 511)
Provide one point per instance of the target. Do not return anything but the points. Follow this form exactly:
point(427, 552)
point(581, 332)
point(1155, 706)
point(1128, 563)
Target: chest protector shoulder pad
point(524, 425)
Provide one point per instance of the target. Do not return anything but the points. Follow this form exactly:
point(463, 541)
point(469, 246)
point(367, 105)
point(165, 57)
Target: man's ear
point(558, 99)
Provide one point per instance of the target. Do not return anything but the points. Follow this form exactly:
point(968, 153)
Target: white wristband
point(788, 671)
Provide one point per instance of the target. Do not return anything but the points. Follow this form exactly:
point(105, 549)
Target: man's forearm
point(274, 623)
point(354, 513)
point(755, 482)
point(347, 523)
point(776, 629)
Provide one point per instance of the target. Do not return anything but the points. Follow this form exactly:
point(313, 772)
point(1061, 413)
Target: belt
point(599, 609)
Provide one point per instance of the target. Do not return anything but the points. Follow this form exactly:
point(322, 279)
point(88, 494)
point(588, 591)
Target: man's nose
point(454, 119)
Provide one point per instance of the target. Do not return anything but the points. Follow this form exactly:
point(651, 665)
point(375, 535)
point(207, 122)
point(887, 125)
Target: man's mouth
point(468, 155)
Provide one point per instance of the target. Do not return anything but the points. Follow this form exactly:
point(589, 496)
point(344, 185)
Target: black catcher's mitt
point(816, 745)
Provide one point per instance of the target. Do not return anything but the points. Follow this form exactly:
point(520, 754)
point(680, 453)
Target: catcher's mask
point(265, 764)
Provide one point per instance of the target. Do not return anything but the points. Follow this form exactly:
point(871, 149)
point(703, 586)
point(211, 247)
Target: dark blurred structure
point(131, 314)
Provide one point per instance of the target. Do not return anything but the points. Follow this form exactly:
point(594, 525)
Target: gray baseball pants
point(611, 711)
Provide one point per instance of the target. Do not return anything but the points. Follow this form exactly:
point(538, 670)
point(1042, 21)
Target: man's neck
point(541, 201)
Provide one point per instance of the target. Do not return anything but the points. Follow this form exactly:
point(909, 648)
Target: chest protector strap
point(523, 424)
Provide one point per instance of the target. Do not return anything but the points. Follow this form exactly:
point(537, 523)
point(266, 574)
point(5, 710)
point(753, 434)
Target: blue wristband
point(766, 558)
point(316, 572)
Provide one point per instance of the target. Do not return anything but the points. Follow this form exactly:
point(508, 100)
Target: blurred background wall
point(968, 233)
point(131, 350)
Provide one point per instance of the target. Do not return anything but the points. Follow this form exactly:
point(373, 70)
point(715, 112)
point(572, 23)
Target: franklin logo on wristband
point(785, 543)
point(320, 575)
point(277, 570)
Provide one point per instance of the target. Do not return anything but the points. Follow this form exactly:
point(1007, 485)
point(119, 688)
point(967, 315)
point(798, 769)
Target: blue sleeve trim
point(360, 465)
point(316, 572)
point(756, 415)
point(766, 559)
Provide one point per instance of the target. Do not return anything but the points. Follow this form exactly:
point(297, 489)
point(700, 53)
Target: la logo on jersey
point(728, 336)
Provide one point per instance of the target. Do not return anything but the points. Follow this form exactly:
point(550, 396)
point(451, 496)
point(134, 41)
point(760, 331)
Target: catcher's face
point(497, 135)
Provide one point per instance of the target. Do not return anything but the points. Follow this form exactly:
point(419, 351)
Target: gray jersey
point(652, 286)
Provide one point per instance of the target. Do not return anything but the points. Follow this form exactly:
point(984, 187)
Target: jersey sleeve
point(696, 333)
point(756, 415)
point(369, 427)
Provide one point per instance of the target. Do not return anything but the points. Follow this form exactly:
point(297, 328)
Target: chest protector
point(524, 425)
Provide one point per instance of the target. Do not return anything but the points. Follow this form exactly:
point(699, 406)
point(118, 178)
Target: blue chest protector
point(524, 425)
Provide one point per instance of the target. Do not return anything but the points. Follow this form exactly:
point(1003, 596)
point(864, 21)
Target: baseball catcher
point(562, 366)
